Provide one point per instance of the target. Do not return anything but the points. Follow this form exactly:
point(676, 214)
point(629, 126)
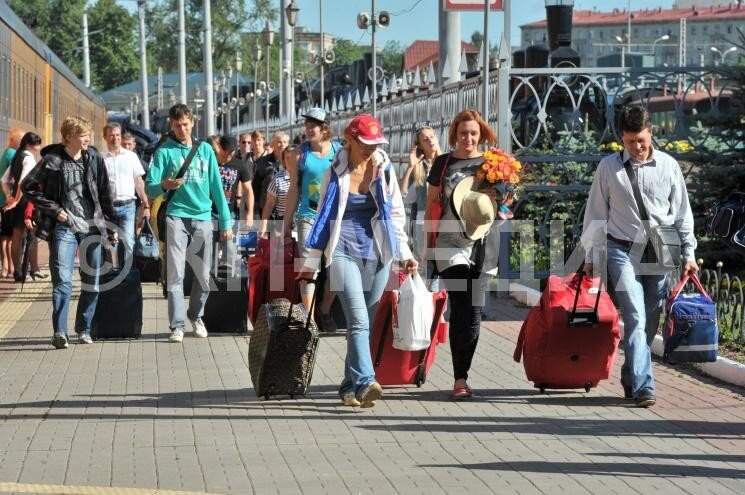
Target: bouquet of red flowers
point(501, 170)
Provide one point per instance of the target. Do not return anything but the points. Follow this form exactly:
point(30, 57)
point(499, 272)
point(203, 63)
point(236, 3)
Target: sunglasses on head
point(419, 129)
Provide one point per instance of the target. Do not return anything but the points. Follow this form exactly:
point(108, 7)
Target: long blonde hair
point(419, 174)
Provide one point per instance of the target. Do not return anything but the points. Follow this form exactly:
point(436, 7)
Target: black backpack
point(725, 221)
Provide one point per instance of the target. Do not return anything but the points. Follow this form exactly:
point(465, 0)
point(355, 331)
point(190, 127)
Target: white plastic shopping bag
point(415, 313)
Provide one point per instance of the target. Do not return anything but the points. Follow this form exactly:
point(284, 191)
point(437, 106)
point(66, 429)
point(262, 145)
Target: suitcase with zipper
point(690, 333)
point(226, 310)
point(282, 349)
point(571, 338)
point(393, 366)
point(119, 309)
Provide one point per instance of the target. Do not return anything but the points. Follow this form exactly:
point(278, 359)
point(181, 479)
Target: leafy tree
point(477, 38)
point(392, 57)
point(347, 52)
point(230, 18)
point(58, 24)
point(114, 53)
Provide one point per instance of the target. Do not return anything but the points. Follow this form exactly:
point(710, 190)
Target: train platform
point(149, 417)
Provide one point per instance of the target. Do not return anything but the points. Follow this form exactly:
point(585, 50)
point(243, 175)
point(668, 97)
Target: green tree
point(347, 52)
point(114, 52)
point(58, 24)
point(230, 18)
point(477, 38)
point(392, 57)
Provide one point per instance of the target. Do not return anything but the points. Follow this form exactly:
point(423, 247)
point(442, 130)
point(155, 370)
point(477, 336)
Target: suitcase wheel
point(420, 377)
point(588, 386)
point(266, 396)
point(542, 388)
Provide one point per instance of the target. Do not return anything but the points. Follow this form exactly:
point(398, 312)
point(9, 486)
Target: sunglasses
point(245, 142)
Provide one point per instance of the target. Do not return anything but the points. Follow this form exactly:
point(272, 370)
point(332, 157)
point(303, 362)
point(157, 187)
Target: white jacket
point(380, 230)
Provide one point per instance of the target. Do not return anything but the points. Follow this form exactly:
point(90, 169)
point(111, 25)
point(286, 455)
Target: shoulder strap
point(442, 175)
point(185, 166)
point(643, 214)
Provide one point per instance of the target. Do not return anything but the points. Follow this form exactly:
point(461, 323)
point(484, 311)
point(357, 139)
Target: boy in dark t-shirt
point(236, 176)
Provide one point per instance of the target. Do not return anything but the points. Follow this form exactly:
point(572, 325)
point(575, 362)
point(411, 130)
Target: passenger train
point(37, 90)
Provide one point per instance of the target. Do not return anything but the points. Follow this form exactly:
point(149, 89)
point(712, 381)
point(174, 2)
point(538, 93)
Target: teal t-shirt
point(202, 182)
point(5, 160)
point(312, 175)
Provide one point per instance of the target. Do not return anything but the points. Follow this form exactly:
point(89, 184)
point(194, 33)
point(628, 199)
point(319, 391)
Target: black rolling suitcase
point(226, 310)
point(282, 349)
point(119, 309)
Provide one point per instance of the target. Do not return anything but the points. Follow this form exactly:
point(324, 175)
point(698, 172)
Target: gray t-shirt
point(78, 203)
point(453, 247)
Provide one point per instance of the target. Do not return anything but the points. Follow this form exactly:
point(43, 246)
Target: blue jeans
point(62, 260)
point(359, 284)
point(187, 240)
point(640, 298)
point(124, 216)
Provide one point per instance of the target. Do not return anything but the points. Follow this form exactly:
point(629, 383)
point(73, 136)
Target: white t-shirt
point(123, 168)
point(29, 162)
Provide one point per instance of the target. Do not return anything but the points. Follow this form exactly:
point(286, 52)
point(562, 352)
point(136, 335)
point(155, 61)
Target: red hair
point(486, 135)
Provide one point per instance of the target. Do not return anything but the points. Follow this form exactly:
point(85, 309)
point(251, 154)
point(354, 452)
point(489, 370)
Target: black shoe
point(627, 391)
point(18, 278)
point(325, 322)
point(645, 401)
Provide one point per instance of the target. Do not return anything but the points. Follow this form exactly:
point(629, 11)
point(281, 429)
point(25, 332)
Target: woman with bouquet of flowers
point(461, 207)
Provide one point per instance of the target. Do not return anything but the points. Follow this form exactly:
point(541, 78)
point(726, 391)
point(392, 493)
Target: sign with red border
point(472, 5)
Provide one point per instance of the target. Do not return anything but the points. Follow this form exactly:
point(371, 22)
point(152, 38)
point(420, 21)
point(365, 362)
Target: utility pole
point(374, 64)
point(86, 54)
point(485, 62)
point(286, 98)
point(209, 96)
point(181, 52)
point(321, 50)
point(143, 67)
point(450, 48)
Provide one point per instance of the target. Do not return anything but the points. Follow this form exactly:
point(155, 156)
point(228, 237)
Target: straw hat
point(476, 211)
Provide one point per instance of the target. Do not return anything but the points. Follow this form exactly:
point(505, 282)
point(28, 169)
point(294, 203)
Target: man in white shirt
point(613, 223)
point(125, 180)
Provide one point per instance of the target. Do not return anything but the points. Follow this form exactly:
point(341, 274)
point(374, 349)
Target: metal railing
point(728, 293)
point(563, 121)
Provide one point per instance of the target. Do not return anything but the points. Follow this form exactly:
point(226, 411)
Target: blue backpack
point(690, 334)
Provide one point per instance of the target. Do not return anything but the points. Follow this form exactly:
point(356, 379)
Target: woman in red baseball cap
point(360, 231)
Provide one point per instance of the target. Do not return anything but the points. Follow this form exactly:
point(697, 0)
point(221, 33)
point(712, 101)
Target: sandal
point(462, 393)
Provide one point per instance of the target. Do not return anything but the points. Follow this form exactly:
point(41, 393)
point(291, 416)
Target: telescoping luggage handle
point(583, 318)
point(296, 295)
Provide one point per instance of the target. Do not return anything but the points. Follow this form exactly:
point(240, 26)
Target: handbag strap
point(643, 214)
point(147, 227)
point(182, 171)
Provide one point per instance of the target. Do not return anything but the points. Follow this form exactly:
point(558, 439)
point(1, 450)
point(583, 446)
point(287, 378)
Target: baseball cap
point(316, 113)
point(367, 129)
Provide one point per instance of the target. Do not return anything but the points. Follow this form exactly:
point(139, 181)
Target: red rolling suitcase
point(570, 339)
point(395, 367)
point(271, 274)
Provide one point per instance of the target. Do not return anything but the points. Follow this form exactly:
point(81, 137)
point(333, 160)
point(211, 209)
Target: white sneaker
point(177, 335)
point(200, 330)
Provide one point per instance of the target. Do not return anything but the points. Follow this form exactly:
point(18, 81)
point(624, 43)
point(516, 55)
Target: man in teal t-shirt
point(6, 223)
point(188, 218)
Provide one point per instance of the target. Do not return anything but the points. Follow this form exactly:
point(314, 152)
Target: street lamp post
point(268, 37)
point(664, 37)
point(621, 42)
point(723, 54)
point(292, 12)
point(238, 67)
point(226, 84)
point(257, 59)
point(374, 20)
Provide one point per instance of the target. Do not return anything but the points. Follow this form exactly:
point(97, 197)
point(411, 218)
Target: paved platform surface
point(149, 417)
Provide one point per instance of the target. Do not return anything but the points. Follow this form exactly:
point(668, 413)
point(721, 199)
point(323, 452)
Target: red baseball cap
point(367, 129)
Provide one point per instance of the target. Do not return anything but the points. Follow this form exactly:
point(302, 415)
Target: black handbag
point(663, 241)
point(163, 209)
